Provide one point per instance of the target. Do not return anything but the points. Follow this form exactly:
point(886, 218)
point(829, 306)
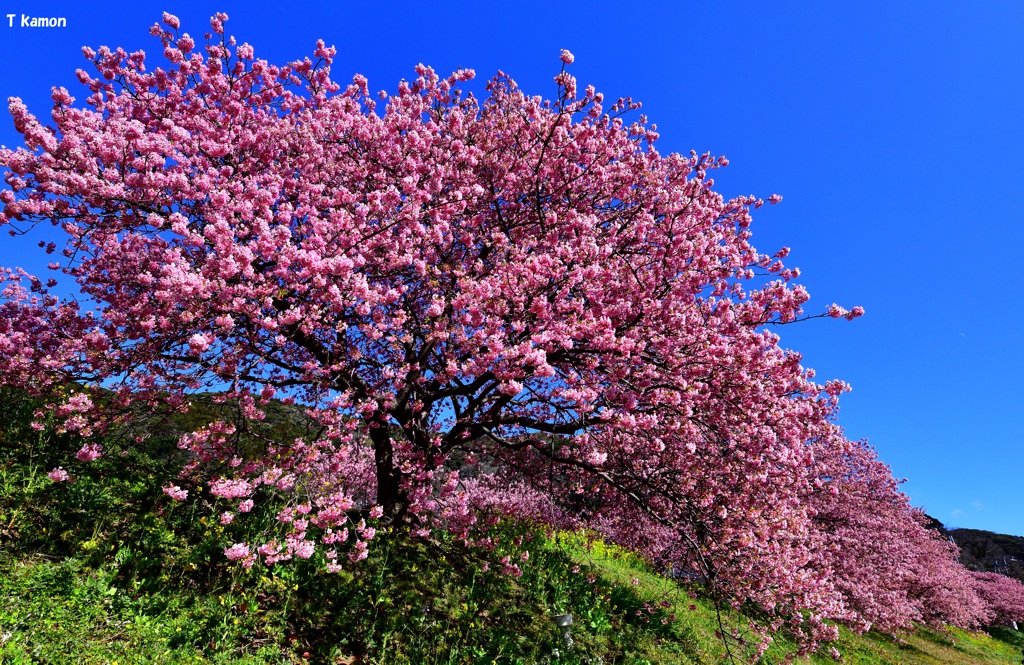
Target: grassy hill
point(106, 569)
point(412, 602)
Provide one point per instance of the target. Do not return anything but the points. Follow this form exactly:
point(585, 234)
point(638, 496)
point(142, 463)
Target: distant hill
point(988, 551)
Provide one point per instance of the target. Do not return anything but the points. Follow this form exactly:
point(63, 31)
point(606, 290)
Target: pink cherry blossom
point(492, 307)
point(171, 20)
point(236, 551)
point(240, 552)
point(90, 452)
point(1003, 596)
point(176, 493)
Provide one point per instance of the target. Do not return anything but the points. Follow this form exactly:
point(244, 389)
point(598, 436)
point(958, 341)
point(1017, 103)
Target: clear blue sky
point(894, 130)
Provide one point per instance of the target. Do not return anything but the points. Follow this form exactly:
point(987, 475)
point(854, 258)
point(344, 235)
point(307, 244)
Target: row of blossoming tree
point(496, 307)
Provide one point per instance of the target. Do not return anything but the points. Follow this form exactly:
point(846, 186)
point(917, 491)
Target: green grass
point(107, 569)
point(412, 602)
point(696, 627)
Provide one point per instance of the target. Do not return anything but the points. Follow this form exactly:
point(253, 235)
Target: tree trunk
point(388, 493)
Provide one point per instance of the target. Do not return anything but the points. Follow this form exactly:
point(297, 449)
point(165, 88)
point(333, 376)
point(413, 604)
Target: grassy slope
point(68, 612)
point(412, 602)
point(697, 628)
point(106, 569)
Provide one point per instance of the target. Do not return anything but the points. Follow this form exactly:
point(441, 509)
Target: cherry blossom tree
point(1003, 595)
point(890, 569)
point(488, 306)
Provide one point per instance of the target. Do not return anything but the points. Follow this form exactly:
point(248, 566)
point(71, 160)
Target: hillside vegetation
point(105, 568)
point(987, 551)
